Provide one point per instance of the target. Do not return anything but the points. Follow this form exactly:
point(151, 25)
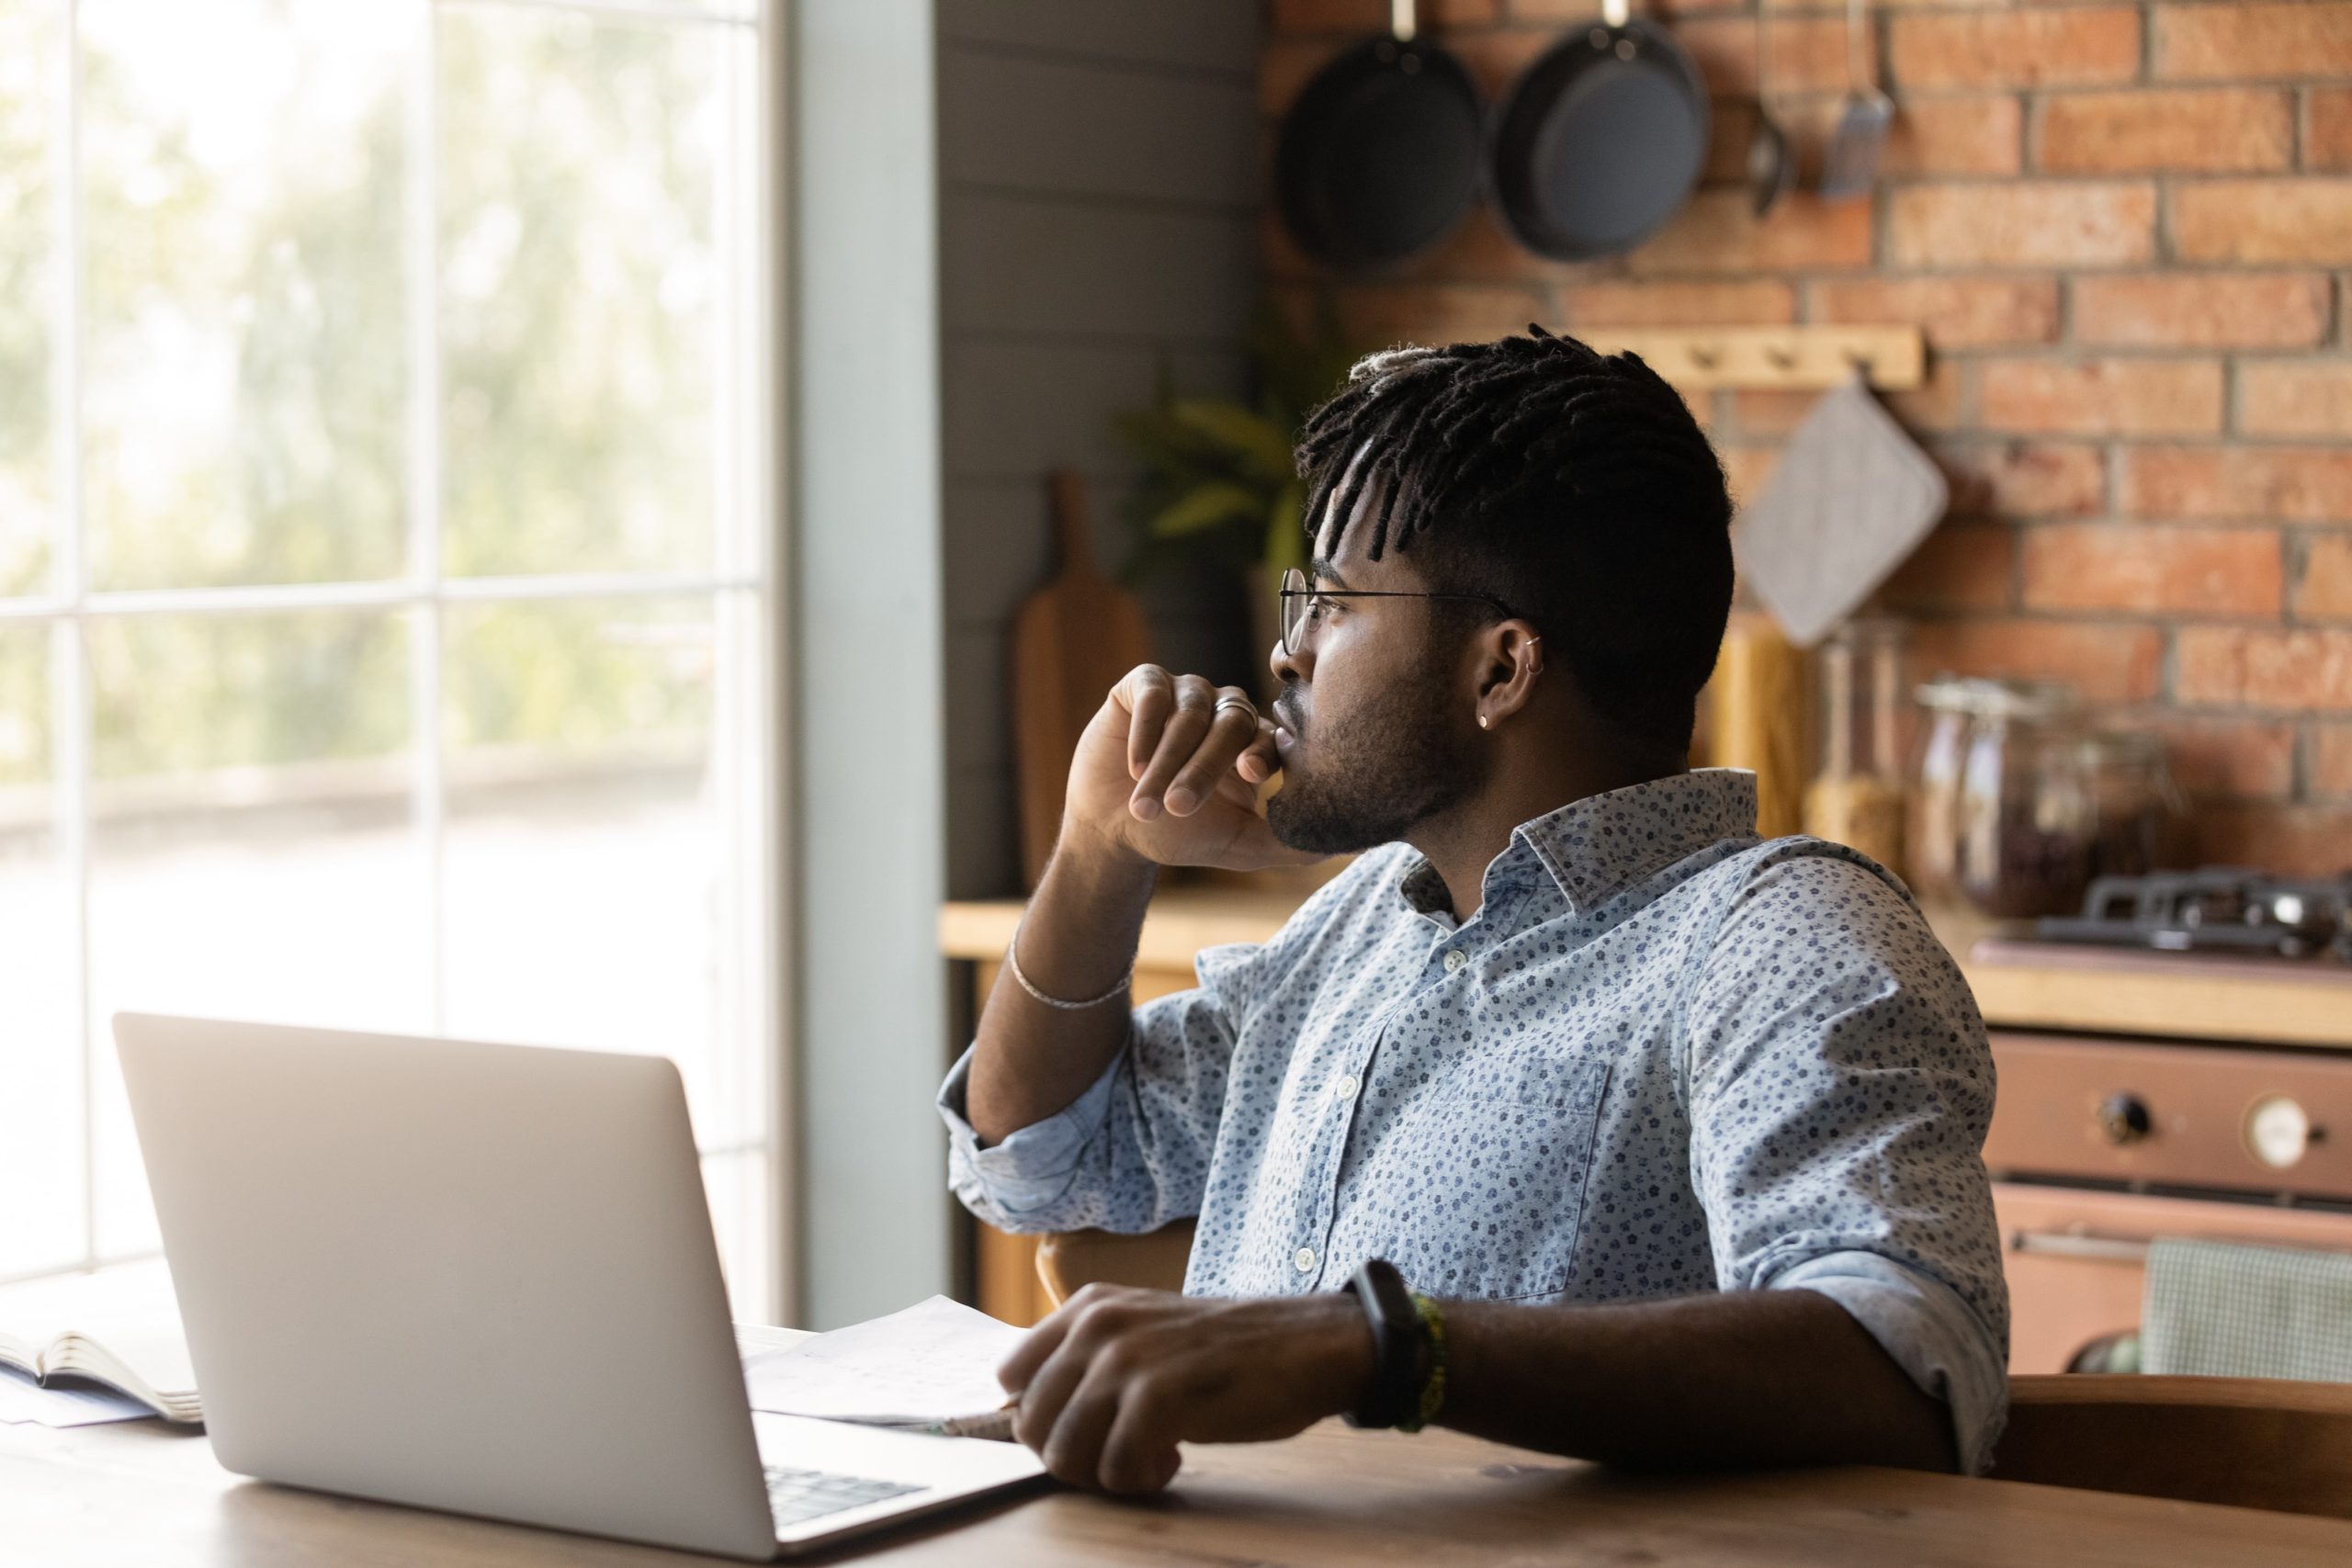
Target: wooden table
point(138, 1497)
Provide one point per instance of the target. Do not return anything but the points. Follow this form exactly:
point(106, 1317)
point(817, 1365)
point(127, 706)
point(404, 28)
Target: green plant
point(1218, 475)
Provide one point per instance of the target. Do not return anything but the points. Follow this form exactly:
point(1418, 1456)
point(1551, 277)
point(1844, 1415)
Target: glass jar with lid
point(2002, 812)
point(2142, 815)
point(1932, 812)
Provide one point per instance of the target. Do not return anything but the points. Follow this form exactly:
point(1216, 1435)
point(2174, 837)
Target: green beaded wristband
point(1433, 1318)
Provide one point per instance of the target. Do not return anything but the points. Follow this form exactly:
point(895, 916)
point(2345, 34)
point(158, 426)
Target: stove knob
point(2123, 1119)
point(2279, 1132)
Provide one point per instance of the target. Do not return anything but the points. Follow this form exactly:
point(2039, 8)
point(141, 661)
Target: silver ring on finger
point(1242, 704)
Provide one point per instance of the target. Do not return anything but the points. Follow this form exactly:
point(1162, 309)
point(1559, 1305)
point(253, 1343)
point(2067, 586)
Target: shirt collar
point(1597, 847)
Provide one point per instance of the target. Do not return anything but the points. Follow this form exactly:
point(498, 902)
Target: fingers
point(1194, 703)
point(1029, 1355)
point(1233, 728)
point(1197, 745)
point(1099, 1378)
point(1140, 1452)
point(1148, 694)
point(1259, 761)
point(1073, 1450)
point(1046, 1367)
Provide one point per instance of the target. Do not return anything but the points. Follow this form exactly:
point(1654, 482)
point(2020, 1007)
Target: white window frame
point(742, 587)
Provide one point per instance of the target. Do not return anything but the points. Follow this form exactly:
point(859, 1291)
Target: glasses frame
point(1297, 585)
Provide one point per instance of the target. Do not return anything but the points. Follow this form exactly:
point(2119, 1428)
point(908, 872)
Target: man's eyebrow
point(1321, 570)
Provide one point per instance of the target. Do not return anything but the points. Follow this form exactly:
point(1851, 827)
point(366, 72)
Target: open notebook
point(118, 1327)
point(930, 1368)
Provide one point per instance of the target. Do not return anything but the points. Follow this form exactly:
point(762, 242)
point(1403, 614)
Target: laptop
point(482, 1279)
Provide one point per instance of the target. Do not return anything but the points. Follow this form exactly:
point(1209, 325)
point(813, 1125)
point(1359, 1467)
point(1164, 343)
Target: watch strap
point(1396, 1325)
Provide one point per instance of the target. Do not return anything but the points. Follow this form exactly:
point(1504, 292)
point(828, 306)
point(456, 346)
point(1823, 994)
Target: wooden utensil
point(1760, 718)
point(1072, 640)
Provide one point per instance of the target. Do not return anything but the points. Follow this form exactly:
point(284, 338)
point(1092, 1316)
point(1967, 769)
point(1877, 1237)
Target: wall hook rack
point(1892, 358)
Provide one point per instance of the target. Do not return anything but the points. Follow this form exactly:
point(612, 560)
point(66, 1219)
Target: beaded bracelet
point(1433, 1385)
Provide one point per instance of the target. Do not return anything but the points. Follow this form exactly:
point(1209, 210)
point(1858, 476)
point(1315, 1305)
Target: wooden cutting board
point(1072, 640)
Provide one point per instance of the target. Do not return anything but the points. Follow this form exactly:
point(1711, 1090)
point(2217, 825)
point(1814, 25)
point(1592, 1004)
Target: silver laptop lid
point(478, 1278)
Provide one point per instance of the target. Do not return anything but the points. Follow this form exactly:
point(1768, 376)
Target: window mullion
point(71, 719)
point(422, 294)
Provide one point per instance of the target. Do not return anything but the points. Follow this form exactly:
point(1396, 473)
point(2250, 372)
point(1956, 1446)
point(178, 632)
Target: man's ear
point(1510, 658)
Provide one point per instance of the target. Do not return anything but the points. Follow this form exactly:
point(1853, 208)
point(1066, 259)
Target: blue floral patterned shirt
point(1664, 1058)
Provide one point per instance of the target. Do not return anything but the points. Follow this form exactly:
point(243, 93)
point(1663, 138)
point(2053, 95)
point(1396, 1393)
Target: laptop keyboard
point(795, 1495)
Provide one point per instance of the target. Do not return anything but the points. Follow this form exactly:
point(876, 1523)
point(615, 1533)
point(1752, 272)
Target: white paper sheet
point(933, 1363)
point(21, 1399)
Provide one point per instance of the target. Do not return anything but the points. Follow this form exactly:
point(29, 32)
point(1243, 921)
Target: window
point(384, 554)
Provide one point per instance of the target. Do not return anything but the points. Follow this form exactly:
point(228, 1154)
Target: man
point(1676, 1132)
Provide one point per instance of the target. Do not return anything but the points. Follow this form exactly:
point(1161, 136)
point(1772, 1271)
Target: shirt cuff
point(1031, 1168)
point(1931, 1333)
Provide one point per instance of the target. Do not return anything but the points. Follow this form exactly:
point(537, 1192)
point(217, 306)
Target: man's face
point(1374, 725)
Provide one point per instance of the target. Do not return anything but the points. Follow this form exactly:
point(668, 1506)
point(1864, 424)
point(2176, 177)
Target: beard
point(1369, 777)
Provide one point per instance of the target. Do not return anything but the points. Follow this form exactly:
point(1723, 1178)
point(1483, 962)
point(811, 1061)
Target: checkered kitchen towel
point(2218, 1309)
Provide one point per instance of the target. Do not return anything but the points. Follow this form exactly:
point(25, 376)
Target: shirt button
point(1455, 959)
point(1346, 1087)
point(1305, 1258)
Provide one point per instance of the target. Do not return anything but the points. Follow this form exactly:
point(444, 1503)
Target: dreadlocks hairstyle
point(1572, 485)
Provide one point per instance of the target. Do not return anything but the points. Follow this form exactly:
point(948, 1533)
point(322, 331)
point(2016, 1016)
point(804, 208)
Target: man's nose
point(1288, 667)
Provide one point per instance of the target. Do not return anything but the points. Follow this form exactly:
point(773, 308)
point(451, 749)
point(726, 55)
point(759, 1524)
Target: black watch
point(1397, 1342)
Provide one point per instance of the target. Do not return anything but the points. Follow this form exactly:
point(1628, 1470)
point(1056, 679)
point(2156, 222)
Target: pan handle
point(1403, 20)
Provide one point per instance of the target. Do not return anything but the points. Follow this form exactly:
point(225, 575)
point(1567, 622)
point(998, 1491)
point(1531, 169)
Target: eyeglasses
point(1304, 606)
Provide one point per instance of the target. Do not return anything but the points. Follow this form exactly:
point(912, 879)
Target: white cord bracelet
point(1012, 961)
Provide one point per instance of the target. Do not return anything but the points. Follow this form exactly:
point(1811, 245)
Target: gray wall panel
point(984, 844)
point(1034, 264)
point(1007, 121)
point(1213, 35)
point(1022, 406)
point(977, 734)
point(1100, 169)
point(996, 551)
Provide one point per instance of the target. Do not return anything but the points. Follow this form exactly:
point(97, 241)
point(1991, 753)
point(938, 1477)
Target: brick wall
point(2126, 230)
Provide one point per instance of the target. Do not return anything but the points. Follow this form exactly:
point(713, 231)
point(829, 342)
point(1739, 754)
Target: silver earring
point(1482, 721)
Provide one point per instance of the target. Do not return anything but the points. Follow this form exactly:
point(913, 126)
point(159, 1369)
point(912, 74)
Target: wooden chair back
point(1075, 1258)
point(2249, 1443)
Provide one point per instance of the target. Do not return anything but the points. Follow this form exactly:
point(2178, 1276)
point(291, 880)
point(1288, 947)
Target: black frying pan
point(1379, 155)
point(1601, 139)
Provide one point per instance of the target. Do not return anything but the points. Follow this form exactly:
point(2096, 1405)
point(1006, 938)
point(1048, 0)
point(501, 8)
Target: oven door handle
point(2071, 1244)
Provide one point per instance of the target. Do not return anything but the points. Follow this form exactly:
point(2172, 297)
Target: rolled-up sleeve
point(1839, 1087)
point(1131, 1152)
point(1010, 1184)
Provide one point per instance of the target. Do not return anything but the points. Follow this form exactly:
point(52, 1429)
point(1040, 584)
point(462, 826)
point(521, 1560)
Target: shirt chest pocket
point(1476, 1187)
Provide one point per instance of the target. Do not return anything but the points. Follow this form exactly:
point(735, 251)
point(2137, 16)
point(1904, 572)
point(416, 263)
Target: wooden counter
point(2017, 984)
